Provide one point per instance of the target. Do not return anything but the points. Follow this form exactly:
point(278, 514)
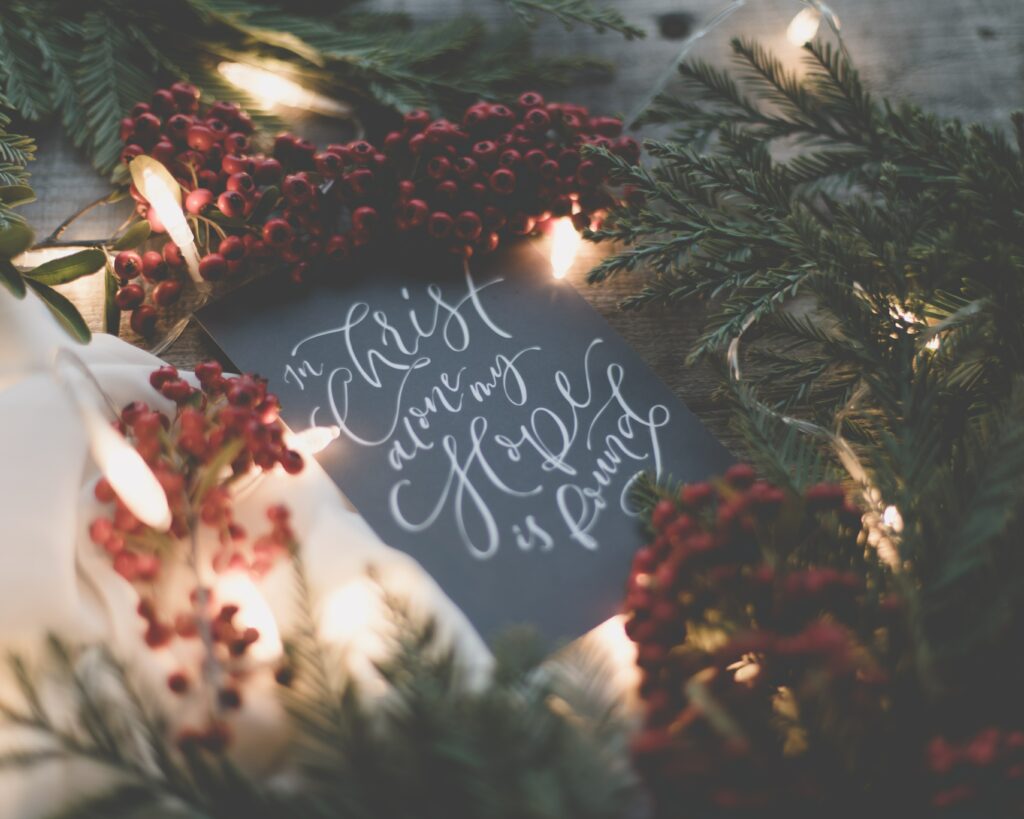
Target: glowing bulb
point(892, 518)
point(272, 89)
point(313, 440)
point(128, 475)
point(236, 588)
point(163, 193)
point(803, 26)
point(619, 650)
point(565, 240)
point(348, 611)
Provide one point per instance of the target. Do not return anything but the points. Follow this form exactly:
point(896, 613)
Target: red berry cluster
point(980, 775)
point(221, 431)
point(742, 640)
point(228, 422)
point(459, 187)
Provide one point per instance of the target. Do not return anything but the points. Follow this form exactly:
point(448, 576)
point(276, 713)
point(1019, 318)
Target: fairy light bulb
point(313, 440)
point(271, 90)
point(565, 241)
point(349, 611)
point(803, 26)
point(163, 193)
point(127, 473)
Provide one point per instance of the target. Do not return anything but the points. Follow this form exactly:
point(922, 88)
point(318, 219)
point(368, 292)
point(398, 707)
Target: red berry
point(143, 320)
point(186, 95)
point(130, 296)
point(415, 212)
point(147, 125)
point(164, 151)
point(167, 293)
point(268, 172)
point(486, 152)
point(177, 127)
point(417, 120)
point(154, 268)
point(178, 682)
point(530, 99)
point(159, 377)
point(104, 492)
point(277, 233)
point(127, 265)
point(231, 204)
point(468, 225)
point(439, 167)
point(231, 248)
point(178, 390)
point(365, 218)
point(291, 461)
point(163, 102)
point(503, 181)
point(242, 183)
point(212, 267)
point(200, 138)
point(440, 225)
point(198, 200)
point(126, 564)
point(208, 371)
point(172, 255)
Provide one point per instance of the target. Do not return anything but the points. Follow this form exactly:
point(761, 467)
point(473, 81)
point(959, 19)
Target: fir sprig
point(434, 744)
point(88, 61)
point(863, 266)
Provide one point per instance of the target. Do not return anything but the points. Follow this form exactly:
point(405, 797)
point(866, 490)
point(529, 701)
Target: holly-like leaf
point(68, 268)
point(15, 238)
point(11, 279)
point(111, 312)
point(134, 236)
point(63, 310)
point(14, 195)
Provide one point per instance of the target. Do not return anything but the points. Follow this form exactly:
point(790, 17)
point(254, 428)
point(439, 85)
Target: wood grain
point(958, 57)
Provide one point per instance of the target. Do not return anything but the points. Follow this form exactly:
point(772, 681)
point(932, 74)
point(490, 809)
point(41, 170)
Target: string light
point(803, 26)
point(271, 90)
point(565, 241)
point(125, 470)
point(163, 193)
point(313, 440)
point(349, 611)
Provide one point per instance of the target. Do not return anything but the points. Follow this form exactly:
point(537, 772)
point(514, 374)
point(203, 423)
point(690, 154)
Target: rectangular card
point(492, 426)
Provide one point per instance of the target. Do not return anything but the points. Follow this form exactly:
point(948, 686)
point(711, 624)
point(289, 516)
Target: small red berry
point(277, 233)
point(365, 218)
point(198, 200)
point(212, 267)
point(127, 265)
point(143, 320)
point(172, 255)
point(440, 225)
point(503, 181)
point(167, 293)
point(231, 248)
point(178, 682)
point(154, 268)
point(130, 296)
point(468, 225)
point(231, 204)
point(200, 138)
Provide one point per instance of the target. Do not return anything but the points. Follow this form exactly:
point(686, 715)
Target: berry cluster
point(980, 775)
point(744, 637)
point(220, 432)
point(433, 185)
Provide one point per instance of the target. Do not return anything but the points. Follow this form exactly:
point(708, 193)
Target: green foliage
point(842, 238)
point(572, 12)
point(527, 744)
point(89, 61)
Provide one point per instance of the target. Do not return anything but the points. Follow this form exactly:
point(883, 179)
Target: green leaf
point(271, 196)
point(15, 238)
point(63, 310)
point(68, 268)
point(11, 279)
point(133, 237)
point(111, 312)
point(14, 195)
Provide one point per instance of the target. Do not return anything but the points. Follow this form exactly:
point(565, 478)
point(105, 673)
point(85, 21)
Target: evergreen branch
point(572, 12)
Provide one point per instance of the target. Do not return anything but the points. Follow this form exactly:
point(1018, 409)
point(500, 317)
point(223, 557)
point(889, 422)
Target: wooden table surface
point(958, 57)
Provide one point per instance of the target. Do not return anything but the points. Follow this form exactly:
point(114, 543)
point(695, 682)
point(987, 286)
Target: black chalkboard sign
point(492, 425)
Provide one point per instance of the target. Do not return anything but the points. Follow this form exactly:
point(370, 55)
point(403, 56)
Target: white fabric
point(53, 579)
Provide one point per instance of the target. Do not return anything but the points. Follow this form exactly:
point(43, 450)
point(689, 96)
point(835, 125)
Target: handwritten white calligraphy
point(459, 432)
